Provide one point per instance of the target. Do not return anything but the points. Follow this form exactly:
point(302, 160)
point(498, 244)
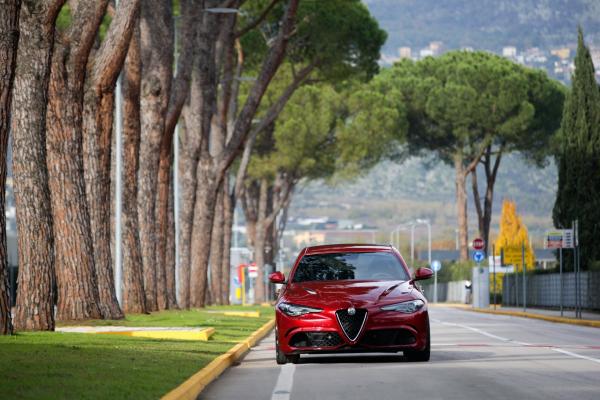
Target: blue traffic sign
point(436, 265)
point(478, 256)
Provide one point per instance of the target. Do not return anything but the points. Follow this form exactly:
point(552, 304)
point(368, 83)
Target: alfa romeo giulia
point(351, 298)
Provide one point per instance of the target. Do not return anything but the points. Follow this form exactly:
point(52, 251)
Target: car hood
point(341, 294)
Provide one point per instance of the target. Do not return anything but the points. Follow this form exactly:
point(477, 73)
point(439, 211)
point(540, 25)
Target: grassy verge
point(54, 365)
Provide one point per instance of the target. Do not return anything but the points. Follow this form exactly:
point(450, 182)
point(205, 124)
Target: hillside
point(394, 193)
point(486, 24)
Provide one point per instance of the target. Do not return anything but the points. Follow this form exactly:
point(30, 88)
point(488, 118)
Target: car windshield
point(374, 266)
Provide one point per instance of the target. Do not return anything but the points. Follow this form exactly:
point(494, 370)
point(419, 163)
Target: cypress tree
point(578, 160)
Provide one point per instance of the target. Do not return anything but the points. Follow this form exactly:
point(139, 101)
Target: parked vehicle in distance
point(351, 298)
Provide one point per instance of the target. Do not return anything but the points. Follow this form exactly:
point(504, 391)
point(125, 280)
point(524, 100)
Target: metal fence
point(544, 290)
point(448, 292)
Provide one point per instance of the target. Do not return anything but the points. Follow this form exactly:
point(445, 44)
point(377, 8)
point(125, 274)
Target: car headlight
point(406, 307)
point(294, 310)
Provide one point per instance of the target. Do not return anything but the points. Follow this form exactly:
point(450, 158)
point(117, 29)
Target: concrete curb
point(191, 388)
point(560, 320)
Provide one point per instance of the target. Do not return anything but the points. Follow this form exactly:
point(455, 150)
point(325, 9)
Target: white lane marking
point(283, 387)
point(482, 332)
point(569, 353)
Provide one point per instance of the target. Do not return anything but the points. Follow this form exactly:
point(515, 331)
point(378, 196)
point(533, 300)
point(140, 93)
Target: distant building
point(564, 53)
point(509, 51)
point(425, 53)
point(405, 52)
point(436, 47)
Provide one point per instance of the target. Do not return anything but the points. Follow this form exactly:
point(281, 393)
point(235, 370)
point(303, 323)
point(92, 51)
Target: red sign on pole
point(478, 244)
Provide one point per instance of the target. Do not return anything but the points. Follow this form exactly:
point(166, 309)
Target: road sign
point(559, 239)
point(478, 256)
point(252, 271)
point(478, 244)
point(513, 256)
point(436, 265)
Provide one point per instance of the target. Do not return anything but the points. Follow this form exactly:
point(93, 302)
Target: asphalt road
point(473, 356)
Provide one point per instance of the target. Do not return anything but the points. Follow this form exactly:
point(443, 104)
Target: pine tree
point(578, 159)
point(513, 233)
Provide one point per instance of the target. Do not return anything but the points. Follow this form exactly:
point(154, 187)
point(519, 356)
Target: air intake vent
point(351, 324)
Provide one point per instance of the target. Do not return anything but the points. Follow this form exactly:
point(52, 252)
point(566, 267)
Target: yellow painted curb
point(202, 335)
point(191, 388)
point(561, 320)
point(249, 314)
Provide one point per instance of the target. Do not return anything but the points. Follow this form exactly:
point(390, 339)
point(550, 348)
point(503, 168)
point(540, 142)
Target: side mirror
point(423, 273)
point(277, 277)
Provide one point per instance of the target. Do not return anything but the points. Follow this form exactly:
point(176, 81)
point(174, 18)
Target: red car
point(351, 298)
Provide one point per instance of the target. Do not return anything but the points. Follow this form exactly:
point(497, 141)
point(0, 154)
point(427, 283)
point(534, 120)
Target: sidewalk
point(588, 318)
point(590, 315)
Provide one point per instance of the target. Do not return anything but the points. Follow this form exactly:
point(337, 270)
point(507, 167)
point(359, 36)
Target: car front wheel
point(281, 357)
point(420, 355)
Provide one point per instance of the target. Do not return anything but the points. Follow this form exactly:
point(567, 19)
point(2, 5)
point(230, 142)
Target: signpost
point(435, 266)
point(478, 245)
point(563, 239)
point(252, 271)
point(478, 256)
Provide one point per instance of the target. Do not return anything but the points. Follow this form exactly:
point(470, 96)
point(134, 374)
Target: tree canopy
point(578, 159)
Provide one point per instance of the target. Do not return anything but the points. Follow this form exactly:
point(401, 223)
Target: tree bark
point(260, 241)
point(170, 251)
point(191, 18)
point(98, 121)
point(35, 295)
point(204, 210)
point(189, 160)
point(9, 39)
point(228, 210)
point(78, 296)
point(212, 168)
point(134, 296)
point(461, 206)
point(216, 251)
point(484, 213)
point(157, 61)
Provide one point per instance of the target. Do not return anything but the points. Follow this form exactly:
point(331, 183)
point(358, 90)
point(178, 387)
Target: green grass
point(54, 365)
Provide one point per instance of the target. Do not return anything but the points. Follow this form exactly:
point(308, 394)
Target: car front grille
point(351, 324)
point(388, 337)
point(315, 339)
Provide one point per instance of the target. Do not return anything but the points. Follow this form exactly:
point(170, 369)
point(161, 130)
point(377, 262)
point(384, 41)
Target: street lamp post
point(118, 185)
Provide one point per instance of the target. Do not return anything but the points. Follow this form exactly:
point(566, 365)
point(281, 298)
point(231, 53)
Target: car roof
point(347, 248)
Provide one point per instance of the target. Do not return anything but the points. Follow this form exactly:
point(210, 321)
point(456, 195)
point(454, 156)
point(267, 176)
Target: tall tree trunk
point(191, 12)
point(216, 251)
point(260, 240)
point(35, 295)
point(212, 168)
point(9, 39)
point(75, 271)
point(157, 61)
point(134, 296)
point(189, 160)
point(484, 213)
point(204, 211)
point(461, 206)
point(105, 67)
point(170, 260)
point(228, 210)
point(76, 277)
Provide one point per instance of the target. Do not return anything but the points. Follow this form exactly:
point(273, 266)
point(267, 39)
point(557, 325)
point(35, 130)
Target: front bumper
point(383, 331)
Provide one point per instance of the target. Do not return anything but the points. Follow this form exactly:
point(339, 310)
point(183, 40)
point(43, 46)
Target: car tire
point(281, 357)
point(420, 355)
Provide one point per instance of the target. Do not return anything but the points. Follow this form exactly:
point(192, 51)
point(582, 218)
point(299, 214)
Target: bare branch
point(258, 20)
point(111, 56)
